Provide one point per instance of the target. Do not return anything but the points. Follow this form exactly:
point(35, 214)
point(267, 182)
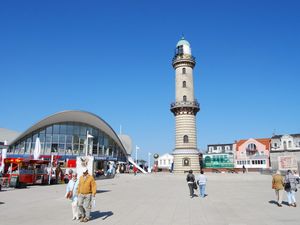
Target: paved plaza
point(233, 199)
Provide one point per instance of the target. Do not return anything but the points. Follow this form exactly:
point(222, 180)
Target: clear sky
point(113, 58)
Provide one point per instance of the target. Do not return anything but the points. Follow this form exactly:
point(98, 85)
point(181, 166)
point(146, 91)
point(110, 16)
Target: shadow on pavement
point(103, 215)
point(2, 203)
point(102, 191)
point(275, 203)
point(285, 203)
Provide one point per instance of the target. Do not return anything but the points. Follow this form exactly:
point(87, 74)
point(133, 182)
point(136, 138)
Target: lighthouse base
point(185, 161)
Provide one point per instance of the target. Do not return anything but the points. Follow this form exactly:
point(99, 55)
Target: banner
point(218, 161)
point(287, 163)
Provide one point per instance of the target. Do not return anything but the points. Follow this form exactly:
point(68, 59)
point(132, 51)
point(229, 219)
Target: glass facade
point(69, 139)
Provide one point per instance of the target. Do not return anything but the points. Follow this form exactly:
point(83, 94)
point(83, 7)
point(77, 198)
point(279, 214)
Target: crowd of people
point(280, 184)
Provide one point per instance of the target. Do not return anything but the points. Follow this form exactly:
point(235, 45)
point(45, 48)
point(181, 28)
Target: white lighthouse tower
point(185, 108)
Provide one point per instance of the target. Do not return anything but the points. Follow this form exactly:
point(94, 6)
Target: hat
point(85, 169)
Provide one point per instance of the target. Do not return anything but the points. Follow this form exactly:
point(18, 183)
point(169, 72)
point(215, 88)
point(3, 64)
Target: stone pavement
point(156, 199)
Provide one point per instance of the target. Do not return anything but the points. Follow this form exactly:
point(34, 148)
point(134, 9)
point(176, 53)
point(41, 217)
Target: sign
point(218, 161)
point(82, 162)
point(287, 163)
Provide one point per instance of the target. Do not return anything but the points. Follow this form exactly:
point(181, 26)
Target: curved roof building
point(69, 134)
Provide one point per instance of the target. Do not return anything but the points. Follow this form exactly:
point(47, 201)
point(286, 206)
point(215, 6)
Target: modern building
point(285, 152)
point(253, 153)
point(185, 108)
point(69, 134)
point(165, 161)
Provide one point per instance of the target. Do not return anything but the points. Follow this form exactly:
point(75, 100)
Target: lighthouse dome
point(183, 47)
point(183, 42)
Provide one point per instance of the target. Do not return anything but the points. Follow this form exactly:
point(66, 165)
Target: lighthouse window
point(183, 71)
point(185, 139)
point(184, 84)
point(184, 98)
point(180, 50)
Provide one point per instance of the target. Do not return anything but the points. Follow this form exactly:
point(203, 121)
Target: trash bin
point(14, 181)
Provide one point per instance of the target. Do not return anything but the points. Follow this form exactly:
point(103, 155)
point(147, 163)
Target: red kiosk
point(21, 172)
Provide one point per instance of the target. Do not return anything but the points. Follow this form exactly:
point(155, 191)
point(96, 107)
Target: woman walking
point(71, 193)
point(201, 181)
point(290, 186)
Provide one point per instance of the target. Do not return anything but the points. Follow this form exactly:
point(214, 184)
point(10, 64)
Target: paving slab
point(155, 199)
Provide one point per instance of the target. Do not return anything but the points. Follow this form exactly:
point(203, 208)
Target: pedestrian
point(290, 187)
point(71, 193)
point(86, 191)
point(58, 173)
point(201, 181)
point(134, 170)
point(190, 178)
point(277, 185)
point(244, 169)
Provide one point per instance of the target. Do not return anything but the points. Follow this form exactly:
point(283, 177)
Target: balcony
point(183, 58)
point(188, 106)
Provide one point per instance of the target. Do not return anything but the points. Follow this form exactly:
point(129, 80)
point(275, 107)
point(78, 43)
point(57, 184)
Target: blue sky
point(113, 58)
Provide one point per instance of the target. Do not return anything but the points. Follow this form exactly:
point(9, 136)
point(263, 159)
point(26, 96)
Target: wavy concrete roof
point(74, 116)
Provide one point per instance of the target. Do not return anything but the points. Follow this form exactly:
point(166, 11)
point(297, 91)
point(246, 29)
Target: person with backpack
point(290, 187)
point(190, 178)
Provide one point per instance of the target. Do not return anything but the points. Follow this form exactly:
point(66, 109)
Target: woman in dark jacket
point(290, 187)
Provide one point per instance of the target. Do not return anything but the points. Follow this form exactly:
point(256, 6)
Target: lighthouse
point(185, 109)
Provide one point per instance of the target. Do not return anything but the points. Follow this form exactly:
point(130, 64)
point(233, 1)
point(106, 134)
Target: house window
point(284, 145)
point(183, 71)
point(185, 139)
point(275, 145)
point(184, 84)
point(184, 98)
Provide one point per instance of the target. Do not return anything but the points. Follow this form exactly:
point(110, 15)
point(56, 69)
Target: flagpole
point(87, 143)
point(136, 148)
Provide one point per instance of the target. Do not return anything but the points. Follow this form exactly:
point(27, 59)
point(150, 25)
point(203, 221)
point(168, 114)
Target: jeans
point(202, 190)
point(191, 189)
point(291, 197)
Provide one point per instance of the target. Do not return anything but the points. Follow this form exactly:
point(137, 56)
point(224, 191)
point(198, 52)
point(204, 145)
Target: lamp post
point(149, 162)
point(87, 142)
point(136, 149)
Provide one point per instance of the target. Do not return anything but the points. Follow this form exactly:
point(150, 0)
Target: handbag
point(195, 186)
point(287, 185)
point(69, 194)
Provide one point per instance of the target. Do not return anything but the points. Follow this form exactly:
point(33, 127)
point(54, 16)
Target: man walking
point(86, 190)
point(190, 178)
point(277, 185)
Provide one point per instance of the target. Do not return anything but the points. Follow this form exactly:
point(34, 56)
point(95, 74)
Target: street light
point(149, 163)
point(87, 142)
point(136, 149)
